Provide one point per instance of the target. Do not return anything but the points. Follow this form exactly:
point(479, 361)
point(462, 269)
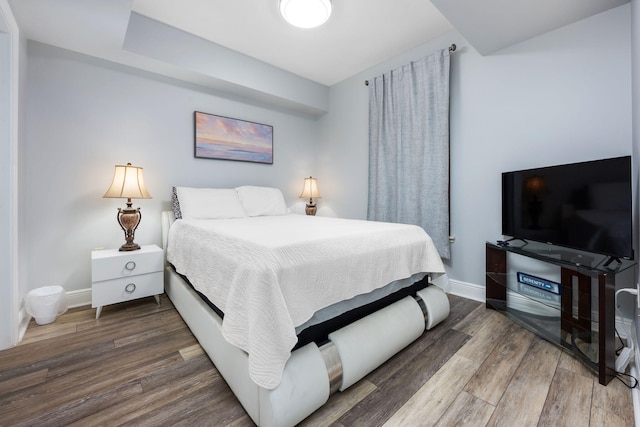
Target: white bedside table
point(122, 276)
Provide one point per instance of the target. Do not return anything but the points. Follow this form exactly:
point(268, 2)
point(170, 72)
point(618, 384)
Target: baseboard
point(467, 290)
point(471, 291)
point(82, 297)
point(23, 323)
point(78, 298)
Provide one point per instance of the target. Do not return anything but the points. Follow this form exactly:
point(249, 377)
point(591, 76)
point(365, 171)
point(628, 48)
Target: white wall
point(558, 98)
point(86, 115)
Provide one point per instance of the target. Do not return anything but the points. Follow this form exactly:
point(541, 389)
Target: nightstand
point(122, 276)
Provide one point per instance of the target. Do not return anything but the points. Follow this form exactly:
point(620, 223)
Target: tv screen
point(585, 206)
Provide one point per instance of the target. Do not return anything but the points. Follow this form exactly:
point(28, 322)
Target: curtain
point(409, 147)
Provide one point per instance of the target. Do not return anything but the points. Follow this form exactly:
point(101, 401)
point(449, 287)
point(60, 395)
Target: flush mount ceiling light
point(305, 13)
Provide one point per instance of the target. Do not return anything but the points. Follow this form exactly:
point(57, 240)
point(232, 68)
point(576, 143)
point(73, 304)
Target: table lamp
point(310, 190)
point(128, 183)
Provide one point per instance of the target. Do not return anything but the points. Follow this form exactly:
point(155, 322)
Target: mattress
point(271, 274)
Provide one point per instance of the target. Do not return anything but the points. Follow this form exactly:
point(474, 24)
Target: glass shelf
point(522, 297)
point(586, 262)
point(581, 341)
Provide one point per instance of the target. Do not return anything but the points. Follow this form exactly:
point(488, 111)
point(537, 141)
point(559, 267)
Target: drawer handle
point(130, 288)
point(130, 265)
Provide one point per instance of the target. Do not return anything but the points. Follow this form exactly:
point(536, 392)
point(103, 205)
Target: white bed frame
point(312, 374)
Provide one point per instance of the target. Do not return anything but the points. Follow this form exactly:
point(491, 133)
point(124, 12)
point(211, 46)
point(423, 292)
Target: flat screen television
point(585, 206)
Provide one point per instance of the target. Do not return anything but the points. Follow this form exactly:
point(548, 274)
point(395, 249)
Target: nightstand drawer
point(113, 264)
point(126, 288)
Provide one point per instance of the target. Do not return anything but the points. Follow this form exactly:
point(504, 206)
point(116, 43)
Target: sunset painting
point(218, 137)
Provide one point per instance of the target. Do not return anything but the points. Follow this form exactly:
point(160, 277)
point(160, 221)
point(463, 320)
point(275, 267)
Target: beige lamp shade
point(128, 183)
point(310, 189)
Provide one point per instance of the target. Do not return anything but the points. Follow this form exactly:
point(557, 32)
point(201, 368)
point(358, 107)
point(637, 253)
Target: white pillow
point(258, 201)
point(209, 203)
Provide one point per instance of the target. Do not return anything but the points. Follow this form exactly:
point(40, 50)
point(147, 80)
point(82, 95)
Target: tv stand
point(574, 308)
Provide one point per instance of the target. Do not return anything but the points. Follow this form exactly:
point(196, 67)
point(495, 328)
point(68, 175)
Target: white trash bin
point(46, 303)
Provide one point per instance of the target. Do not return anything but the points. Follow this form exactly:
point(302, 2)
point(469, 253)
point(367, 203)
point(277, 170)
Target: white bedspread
point(270, 274)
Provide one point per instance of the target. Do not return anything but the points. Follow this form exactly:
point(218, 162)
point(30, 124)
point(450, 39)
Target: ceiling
point(490, 25)
point(359, 34)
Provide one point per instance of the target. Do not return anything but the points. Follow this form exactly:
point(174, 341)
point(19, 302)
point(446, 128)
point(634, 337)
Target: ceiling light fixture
point(305, 13)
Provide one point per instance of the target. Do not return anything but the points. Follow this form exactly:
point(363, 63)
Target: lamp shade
point(310, 189)
point(305, 13)
point(128, 183)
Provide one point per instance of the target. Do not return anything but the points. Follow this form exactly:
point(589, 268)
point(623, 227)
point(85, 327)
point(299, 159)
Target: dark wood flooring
point(139, 365)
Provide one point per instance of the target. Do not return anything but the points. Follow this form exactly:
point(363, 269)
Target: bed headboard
point(167, 220)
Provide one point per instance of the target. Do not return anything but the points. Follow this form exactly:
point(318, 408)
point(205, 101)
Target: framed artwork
point(218, 137)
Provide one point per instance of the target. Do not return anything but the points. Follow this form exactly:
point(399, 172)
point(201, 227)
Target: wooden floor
point(139, 365)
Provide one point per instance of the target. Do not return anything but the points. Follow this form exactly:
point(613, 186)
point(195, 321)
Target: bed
point(249, 278)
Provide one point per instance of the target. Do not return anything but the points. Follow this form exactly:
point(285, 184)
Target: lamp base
point(129, 218)
point(311, 209)
point(129, 247)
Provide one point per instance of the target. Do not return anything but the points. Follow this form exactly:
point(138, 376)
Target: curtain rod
point(452, 49)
